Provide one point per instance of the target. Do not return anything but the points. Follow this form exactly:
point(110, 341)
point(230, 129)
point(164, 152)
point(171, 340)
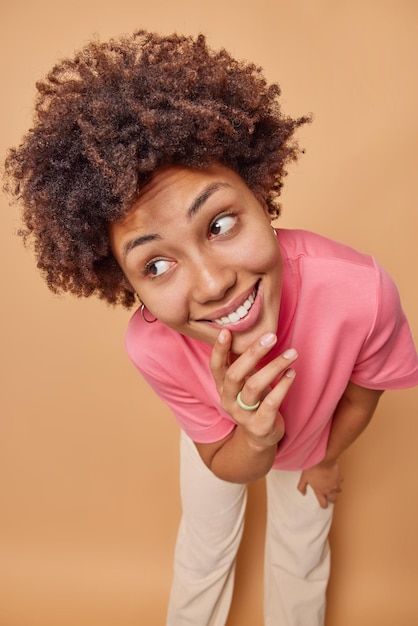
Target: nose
point(211, 280)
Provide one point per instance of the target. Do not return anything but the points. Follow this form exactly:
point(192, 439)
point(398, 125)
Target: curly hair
point(107, 118)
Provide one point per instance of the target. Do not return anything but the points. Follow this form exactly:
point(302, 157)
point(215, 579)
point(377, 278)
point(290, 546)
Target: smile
point(239, 313)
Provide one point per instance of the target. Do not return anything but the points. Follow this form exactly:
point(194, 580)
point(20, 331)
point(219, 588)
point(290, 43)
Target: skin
point(198, 246)
point(191, 248)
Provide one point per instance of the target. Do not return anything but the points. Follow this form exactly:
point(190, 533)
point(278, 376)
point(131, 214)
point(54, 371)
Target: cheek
point(165, 301)
point(169, 305)
point(260, 257)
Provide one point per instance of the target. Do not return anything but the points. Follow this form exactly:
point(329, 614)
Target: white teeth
point(234, 317)
point(241, 312)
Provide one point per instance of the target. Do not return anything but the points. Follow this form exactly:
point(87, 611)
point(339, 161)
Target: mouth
point(239, 313)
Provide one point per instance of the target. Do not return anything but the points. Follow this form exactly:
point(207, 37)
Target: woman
point(153, 169)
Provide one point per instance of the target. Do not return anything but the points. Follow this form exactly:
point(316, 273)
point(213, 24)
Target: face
point(199, 250)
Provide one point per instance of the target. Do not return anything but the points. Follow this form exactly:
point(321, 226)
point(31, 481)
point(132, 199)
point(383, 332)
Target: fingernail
point(268, 340)
point(222, 337)
point(290, 373)
point(290, 354)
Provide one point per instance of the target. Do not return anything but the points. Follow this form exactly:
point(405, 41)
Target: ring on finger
point(247, 407)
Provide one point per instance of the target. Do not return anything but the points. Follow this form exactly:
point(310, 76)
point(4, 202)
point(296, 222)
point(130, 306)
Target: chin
point(241, 344)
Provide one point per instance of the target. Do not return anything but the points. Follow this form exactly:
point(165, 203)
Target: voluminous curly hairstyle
point(106, 119)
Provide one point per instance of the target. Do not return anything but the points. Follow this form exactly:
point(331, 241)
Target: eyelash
point(147, 268)
point(218, 218)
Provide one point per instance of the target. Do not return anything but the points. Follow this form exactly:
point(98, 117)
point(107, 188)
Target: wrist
point(328, 461)
point(243, 459)
point(259, 445)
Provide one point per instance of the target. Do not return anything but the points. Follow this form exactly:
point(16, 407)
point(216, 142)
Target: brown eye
point(157, 267)
point(222, 225)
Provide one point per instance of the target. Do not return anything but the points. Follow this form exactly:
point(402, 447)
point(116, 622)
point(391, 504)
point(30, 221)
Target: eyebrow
point(138, 241)
point(203, 196)
point(197, 203)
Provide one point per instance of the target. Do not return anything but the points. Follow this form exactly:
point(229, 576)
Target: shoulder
point(338, 280)
point(335, 263)
point(331, 275)
point(300, 244)
point(354, 305)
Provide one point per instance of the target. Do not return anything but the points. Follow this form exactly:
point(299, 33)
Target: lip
point(244, 323)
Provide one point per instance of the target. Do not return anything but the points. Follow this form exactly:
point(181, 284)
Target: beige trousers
point(297, 558)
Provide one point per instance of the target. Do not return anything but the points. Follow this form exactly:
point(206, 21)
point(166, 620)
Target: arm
point(353, 413)
point(236, 459)
point(248, 452)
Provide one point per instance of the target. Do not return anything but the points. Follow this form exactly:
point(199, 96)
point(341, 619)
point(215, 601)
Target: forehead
point(182, 183)
point(173, 191)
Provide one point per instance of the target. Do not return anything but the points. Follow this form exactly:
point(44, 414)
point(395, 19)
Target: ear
point(265, 207)
point(126, 284)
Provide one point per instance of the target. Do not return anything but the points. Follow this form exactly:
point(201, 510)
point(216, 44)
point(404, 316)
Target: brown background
point(89, 499)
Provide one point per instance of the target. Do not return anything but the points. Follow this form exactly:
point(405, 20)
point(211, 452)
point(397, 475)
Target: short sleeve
point(201, 421)
point(388, 358)
point(177, 369)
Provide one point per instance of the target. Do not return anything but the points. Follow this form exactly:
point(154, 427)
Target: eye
point(222, 225)
point(157, 267)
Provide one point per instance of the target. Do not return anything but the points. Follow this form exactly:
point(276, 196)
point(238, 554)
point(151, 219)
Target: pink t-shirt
point(341, 312)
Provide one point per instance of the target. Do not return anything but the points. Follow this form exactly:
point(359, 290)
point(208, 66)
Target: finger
point(333, 494)
point(254, 384)
point(302, 485)
point(219, 359)
point(245, 364)
point(267, 422)
point(323, 501)
point(273, 399)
